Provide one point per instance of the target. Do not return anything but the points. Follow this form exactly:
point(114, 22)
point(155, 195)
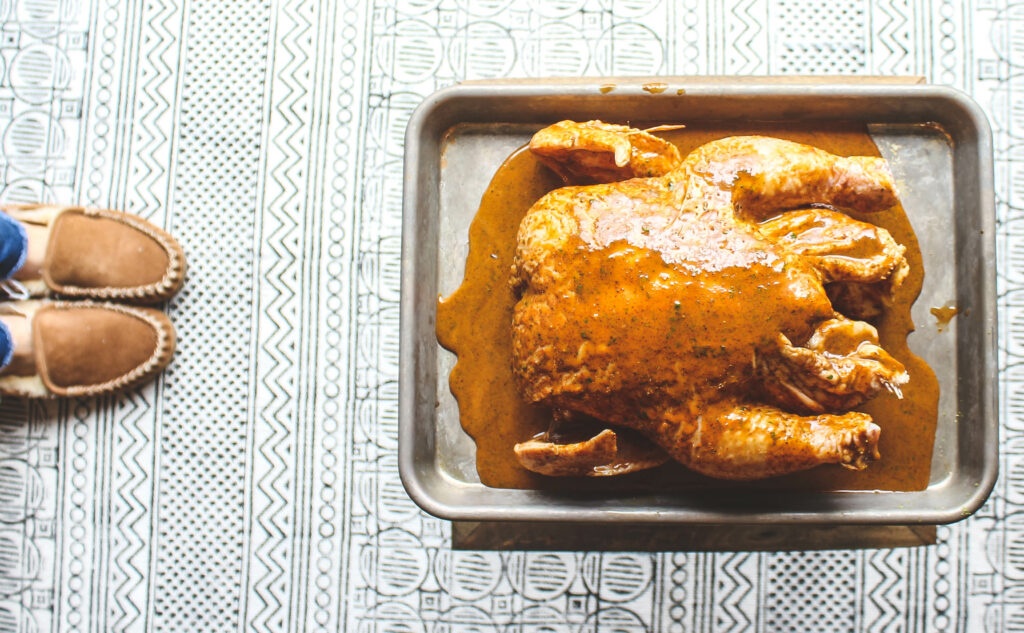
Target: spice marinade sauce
point(475, 323)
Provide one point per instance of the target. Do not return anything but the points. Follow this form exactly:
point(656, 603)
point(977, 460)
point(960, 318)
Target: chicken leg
point(755, 441)
point(840, 366)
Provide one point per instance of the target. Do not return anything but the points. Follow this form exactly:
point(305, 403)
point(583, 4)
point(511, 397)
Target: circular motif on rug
point(557, 8)
point(391, 617)
point(21, 490)
point(613, 619)
point(465, 619)
point(467, 576)
point(46, 18)
point(416, 7)
point(15, 618)
point(540, 619)
point(617, 577)
point(1007, 34)
point(483, 8)
point(395, 563)
point(629, 49)
point(630, 8)
point(37, 72)
point(33, 136)
point(482, 50)
point(27, 190)
point(541, 575)
point(19, 562)
point(393, 503)
point(1007, 109)
point(410, 52)
point(556, 49)
point(387, 121)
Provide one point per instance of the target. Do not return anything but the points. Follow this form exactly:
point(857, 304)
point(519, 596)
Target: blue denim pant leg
point(13, 250)
point(6, 346)
point(13, 245)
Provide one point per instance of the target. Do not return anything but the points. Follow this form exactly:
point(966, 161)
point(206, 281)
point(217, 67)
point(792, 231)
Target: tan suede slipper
point(102, 254)
point(81, 348)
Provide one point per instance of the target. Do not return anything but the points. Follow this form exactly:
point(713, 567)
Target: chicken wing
point(763, 176)
point(596, 152)
point(839, 247)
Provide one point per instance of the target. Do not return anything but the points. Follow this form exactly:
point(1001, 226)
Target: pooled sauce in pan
point(475, 323)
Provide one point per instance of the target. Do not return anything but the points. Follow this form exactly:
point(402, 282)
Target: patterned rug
point(254, 487)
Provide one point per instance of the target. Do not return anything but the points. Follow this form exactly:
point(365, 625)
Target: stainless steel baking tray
point(939, 144)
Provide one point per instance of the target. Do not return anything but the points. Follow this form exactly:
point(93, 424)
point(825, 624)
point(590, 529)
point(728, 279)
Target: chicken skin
point(689, 304)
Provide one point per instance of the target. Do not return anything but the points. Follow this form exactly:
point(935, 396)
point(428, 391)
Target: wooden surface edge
point(707, 79)
point(589, 537)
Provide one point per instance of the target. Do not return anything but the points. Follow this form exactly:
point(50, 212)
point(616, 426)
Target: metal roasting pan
point(939, 144)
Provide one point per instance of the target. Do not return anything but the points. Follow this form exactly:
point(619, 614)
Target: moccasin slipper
point(81, 348)
point(102, 254)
